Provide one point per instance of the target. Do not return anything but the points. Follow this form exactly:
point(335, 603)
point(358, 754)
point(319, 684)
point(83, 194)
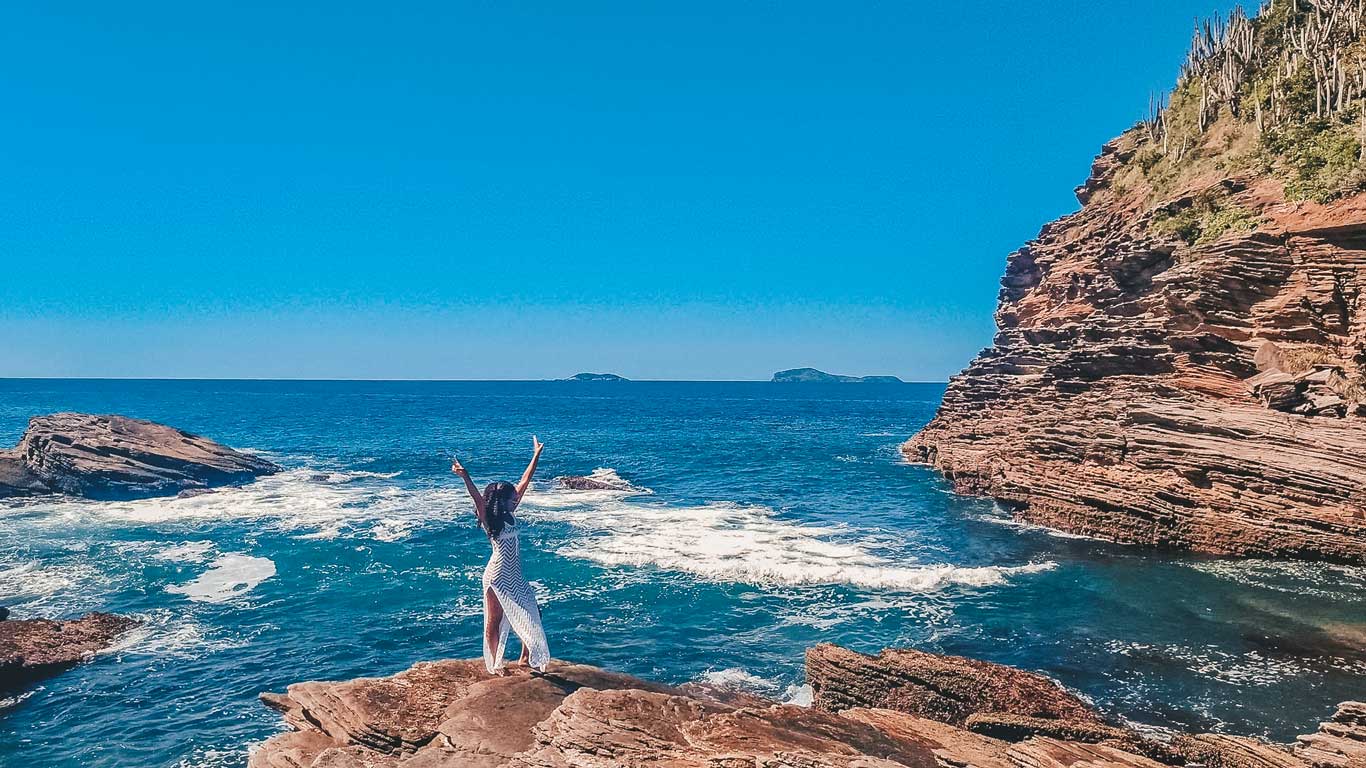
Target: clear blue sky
point(694, 190)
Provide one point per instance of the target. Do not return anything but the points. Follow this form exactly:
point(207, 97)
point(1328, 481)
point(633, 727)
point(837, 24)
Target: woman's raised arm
point(475, 496)
point(536, 447)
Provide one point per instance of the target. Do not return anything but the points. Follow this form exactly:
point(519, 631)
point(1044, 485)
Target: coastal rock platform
point(452, 713)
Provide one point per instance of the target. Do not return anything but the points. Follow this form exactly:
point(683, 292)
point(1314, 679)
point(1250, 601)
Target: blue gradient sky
point(700, 190)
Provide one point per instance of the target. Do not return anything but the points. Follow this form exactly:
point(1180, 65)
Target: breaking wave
point(726, 542)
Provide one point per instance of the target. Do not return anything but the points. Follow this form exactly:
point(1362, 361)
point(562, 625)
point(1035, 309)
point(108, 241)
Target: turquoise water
point(769, 518)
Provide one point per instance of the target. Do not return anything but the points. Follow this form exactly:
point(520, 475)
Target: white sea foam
point(737, 679)
point(305, 502)
point(10, 702)
point(230, 576)
point(172, 635)
point(727, 542)
point(1000, 516)
point(799, 695)
point(188, 552)
point(51, 590)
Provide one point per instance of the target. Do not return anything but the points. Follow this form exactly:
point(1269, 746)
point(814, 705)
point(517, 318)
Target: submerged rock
point(115, 457)
point(35, 648)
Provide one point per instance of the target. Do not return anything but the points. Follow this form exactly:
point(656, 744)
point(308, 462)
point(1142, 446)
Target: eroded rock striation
point(1199, 396)
point(1340, 742)
point(1182, 362)
point(452, 713)
point(115, 457)
point(949, 689)
point(36, 648)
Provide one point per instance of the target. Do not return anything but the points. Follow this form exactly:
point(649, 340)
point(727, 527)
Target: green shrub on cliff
point(1318, 159)
point(1282, 93)
point(1208, 217)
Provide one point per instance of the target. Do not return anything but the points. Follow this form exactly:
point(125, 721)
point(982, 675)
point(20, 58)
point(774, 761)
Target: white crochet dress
point(503, 575)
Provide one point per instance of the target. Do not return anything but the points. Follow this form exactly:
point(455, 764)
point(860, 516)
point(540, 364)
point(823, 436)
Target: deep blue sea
point(768, 518)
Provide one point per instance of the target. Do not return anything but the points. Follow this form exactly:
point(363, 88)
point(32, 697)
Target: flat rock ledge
point(115, 457)
point(452, 713)
point(35, 648)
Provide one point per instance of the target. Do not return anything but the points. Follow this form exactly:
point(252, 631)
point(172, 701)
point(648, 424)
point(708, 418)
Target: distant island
point(813, 376)
point(595, 377)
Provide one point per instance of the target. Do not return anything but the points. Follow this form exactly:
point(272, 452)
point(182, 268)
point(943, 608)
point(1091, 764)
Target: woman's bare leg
point(493, 621)
point(525, 658)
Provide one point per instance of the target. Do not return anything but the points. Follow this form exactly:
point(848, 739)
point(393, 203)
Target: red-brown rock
point(115, 457)
point(1118, 399)
point(34, 648)
point(948, 689)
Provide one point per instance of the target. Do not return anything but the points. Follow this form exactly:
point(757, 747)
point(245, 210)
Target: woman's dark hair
point(499, 500)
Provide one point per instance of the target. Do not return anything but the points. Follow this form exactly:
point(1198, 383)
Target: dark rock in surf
point(35, 648)
point(115, 457)
point(581, 483)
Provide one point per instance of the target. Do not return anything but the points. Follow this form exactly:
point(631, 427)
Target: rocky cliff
point(1182, 362)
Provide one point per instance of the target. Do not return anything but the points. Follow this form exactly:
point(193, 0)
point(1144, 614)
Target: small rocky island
point(118, 458)
point(813, 376)
point(596, 377)
point(900, 708)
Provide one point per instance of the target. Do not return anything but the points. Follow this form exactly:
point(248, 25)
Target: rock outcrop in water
point(115, 457)
point(35, 648)
point(453, 714)
point(1182, 363)
point(950, 689)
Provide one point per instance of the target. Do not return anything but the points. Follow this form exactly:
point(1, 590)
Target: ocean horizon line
point(440, 381)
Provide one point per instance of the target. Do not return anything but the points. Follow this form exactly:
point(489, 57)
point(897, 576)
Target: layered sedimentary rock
point(949, 689)
point(1340, 742)
point(115, 457)
point(34, 648)
point(451, 714)
point(1151, 385)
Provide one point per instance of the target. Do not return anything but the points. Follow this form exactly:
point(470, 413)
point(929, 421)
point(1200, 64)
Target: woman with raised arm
point(509, 601)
